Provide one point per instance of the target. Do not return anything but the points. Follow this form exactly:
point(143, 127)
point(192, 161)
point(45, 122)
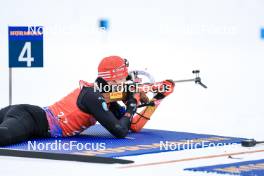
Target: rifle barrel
point(184, 80)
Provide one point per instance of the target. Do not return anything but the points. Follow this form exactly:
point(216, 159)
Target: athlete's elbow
point(120, 132)
point(121, 135)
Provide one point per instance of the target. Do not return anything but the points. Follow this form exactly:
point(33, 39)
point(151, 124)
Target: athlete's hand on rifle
point(143, 98)
point(167, 89)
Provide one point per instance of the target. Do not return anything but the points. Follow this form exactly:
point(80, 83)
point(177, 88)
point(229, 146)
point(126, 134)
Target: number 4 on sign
point(25, 55)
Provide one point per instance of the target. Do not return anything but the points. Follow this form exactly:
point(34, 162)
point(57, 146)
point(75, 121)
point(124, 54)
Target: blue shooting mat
point(246, 168)
point(97, 141)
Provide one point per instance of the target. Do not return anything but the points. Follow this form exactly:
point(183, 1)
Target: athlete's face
point(117, 82)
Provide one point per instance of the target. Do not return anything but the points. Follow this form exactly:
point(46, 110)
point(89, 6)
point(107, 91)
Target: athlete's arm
point(140, 119)
point(92, 102)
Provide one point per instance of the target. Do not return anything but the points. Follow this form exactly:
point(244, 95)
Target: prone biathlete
point(80, 109)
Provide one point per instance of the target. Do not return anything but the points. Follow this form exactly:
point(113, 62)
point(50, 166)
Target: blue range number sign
point(25, 46)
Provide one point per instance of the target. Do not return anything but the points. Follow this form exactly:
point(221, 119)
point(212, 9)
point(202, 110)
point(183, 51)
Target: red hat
point(112, 68)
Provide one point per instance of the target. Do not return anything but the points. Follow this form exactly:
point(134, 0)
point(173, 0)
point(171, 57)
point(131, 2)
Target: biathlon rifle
point(139, 86)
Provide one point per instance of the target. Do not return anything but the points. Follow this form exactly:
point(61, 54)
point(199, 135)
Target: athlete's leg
point(3, 112)
point(18, 124)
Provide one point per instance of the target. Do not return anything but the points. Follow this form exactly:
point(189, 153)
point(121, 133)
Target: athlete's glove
point(167, 89)
point(143, 98)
